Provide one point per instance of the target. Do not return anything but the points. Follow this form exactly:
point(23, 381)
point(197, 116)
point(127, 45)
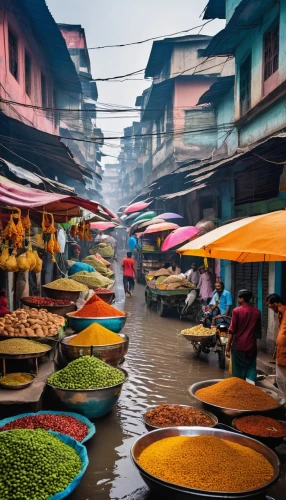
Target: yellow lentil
point(66, 284)
point(16, 379)
point(193, 462)
point(22, 346)
point(95, 335)
point(237, 394)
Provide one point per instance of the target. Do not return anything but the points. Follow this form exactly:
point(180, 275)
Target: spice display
point(176, 415)
point(104, 250)
point(45, 301)
point(66, 285)
point(64, 424)
point(97, 308)
point(198, 330)
point(86, 372)
point(92, 280)
point(31, 323)
point(237, 394)
point(258, 425)
point(102, 290)
point(22, 346)
point(105, 262)
point(44, 467)
point(95, 335)
point(14, 379)
point(91, 260)
point(193, 462)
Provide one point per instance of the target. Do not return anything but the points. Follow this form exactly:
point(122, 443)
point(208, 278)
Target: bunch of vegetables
point(81, 230)
point(31, 323)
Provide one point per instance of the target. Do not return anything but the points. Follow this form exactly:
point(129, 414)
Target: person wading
point(275, 303)
point(129, 274)
point(244, 330)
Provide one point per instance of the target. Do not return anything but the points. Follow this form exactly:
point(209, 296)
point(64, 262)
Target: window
point(44, 90)
point(28, 74)
point(271, 51)
point(13, 54)
point(245, 86)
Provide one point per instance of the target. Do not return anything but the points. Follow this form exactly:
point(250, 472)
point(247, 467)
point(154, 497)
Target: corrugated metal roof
point(217, 91)
point(215, 9)
point(247, 15)
point(48, 35)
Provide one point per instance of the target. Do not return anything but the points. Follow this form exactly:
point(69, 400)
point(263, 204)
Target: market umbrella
point(145, 216)
point(102, 226)
point(162, 226)
point(170, 215)
point(137, 207)
point(179, 236)
point(255, 239)
point(131, 217)
point(140, 226)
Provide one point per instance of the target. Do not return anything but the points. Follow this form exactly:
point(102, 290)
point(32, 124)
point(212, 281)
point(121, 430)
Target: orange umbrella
point(162, 226)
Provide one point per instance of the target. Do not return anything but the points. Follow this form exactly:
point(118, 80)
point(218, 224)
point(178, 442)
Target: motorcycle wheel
point(197, 347)
point(221, 357)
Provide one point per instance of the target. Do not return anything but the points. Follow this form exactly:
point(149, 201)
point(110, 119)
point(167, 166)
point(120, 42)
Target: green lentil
point(86, 372)
point(22, 346)
point(35, 465)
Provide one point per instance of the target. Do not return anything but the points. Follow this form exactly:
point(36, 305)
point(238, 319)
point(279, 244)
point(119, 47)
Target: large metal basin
point(151, 427)
point(233, 412)
point(115, 323)
point(169, 491)
point(61, 294)
point(112, 354)
point(92, 403)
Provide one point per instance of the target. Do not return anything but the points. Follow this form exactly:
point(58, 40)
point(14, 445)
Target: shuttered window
point(271, 51)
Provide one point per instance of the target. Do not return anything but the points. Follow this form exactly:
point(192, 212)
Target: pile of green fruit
point(86, 372)
point(35, 465)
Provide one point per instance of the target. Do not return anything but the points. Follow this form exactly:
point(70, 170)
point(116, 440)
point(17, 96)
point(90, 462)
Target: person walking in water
point(129, 274)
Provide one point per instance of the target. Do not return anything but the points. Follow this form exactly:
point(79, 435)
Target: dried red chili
point(102, 290)
point(175, 415)
point(63, 424)
point(258, 425)
point(44, 301)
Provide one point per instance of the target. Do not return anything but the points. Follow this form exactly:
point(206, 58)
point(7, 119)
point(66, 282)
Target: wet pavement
point(161, 367)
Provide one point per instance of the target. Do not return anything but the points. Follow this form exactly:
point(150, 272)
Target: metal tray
point(152, 427)
point(172, 491)
point(198, 338)
point(19, 386)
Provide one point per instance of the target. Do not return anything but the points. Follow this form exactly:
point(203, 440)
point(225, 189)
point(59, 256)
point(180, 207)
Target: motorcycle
point(216, 343)
point(191, 306)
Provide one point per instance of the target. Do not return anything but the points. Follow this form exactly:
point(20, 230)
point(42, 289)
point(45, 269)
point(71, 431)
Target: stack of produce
point(66, 285)
point(104, 250)
point(28, 261)
point(31, 323)
point(156, 274)
point(44, 467)
point(22, 346)
point(45, 301)
point(97, 308)
point(105, 262)
point(98, 266)
point(175, 282)
point(198, 330)
point(86, 372)
point(258, 425)
point(237, 394)
point(64, 424)
point(95, 335)
point(193, 462)
point(160, 280)
point(92, 280)
point(176, 415)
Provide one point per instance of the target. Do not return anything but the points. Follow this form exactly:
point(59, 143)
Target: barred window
point(13, 54)
point(245, 86)
point(271, 51)
point(28, 74)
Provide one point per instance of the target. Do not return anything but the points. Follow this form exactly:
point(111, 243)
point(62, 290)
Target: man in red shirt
point(244, 331)
point(128, 265)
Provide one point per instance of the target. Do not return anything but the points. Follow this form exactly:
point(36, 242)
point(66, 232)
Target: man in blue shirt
point(133, 244)
point(220, 303)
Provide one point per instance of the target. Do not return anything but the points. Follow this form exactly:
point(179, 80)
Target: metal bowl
point(198, 338)
point(61, 294)
point(232, 412)
point(271, 442)
point(19, 386)
point(170, 491)
point(92, 403)
point(59, 310)
point(112, 354)
point(115, 323)
point(108, 297)
point(152, 427)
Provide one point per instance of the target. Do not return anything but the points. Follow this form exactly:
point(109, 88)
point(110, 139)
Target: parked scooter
point(216, 343)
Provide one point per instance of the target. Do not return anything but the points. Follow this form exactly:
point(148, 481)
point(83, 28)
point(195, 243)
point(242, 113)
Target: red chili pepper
point(63, 424)
point(44, 301)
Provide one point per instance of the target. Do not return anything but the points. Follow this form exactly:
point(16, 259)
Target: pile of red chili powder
point(258, 425)
point(97, 308)
point(63, 424)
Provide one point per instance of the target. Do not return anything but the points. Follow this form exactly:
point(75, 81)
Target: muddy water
point(161, 367)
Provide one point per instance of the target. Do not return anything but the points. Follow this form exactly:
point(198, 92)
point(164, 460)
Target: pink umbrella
point(136, 207)
point(163, 226)
point(179, 236)
point(102, 226)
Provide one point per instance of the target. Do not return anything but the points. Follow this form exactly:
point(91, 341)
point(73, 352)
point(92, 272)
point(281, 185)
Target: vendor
point(174, 269)
point(275, 303)
point(193, 275)
point(220, 303)
point(77, 267)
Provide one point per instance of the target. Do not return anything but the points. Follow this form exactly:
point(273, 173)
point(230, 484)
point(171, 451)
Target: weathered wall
point(227, 133)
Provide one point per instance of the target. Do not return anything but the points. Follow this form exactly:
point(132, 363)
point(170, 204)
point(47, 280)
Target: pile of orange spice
point(95, 335)
point(97, 308)
point(258, 425)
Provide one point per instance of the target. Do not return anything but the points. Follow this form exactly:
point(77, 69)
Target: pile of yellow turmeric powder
point(95, 335)
point(193, 462)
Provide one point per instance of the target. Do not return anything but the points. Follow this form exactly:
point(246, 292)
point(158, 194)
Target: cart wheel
point(161, 309)
point(221, 357)
point(148, 300)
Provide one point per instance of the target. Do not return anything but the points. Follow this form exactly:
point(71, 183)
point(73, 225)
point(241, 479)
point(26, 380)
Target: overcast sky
point(109, 22)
